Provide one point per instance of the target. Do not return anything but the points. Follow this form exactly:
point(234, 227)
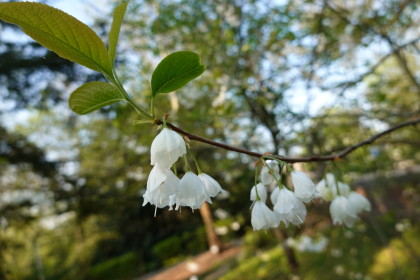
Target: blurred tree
point(288, 77)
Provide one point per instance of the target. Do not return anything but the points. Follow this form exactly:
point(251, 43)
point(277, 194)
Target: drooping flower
point(274, 195)
point(343, 189)
point(304, 187)
point(156, 177)
point(212, 186)
point(298, 215)
point(327, 188)
point(166, 148)
point(359, 202)
point(262, 217)
point(342, 212)
point(161, 187)
point(289, 207)
point(270, 173)
point(323, 191)
point(262, 192)
point(191, 192)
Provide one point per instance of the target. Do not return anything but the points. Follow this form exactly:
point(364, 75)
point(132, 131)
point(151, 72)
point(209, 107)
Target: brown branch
point(332, 157)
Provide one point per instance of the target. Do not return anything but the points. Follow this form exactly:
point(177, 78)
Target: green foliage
point(175, 71)
point(114, 33)
point(259, 239)
point(175, 248)
point(168, 248)
point(400, 259)
point(93, 96)
point(121, 268)
point(60, 32)
point(269, 265)
point(255, 53)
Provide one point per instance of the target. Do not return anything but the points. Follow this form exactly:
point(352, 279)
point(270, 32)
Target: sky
point(87, 10)
point(83, 10)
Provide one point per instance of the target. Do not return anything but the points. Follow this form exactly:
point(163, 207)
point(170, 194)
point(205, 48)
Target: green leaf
point(93, 96)
point(119, 13)
point(175, 71)
point(59, 32)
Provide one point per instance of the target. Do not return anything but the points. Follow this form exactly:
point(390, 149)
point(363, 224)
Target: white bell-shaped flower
point(270, 173)
point(342, 212)
point(289, 207)
point(274, 195)
point(191, 192)
point(359, 202)
point(323, 191)
point(304, 187)
point(212, 186)
point(343, 189)
point(285, 201)
point(262, 192)
point(262, 217)
point(156, 177)
point(327, 188)
point(161, 187)
point(298, 215)
point(166, 148)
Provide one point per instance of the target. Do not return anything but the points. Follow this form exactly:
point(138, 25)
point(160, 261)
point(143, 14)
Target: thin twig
point(332, 157)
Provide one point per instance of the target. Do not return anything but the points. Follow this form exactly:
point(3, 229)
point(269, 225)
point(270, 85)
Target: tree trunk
point(215, 244)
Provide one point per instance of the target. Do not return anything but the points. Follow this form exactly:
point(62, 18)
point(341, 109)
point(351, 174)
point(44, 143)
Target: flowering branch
point(332, 157)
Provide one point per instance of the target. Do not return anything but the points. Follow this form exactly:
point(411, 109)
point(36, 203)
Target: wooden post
point(215, 244)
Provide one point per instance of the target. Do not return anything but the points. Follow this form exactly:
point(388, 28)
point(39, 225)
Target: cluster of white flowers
point(346, 205)
point(289, 206)
point(163, 186)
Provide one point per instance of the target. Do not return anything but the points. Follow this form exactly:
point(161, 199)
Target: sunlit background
point(290, 77)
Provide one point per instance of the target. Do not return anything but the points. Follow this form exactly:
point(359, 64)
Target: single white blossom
point(156, 177)
point(342, 211)
point(262, 217)
point(212, 186)
point(327, 188)
point(323, 191)
point(262, 192)
point(166, 148)
point(359, 202)
point(343, 189)
point(191, 192)
point(289, 207)
point(161, 187)
point(304, 187)
point(274, 195)
point(298, 215)
point(270, 173)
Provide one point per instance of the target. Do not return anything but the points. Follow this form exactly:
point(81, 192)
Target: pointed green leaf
point(119, 13)
point(93, 96)
point(59, 32)
point(175, 71)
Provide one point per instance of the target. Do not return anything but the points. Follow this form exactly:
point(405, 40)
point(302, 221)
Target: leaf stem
point(187, 165)
point(152, 106)
point(195, 161)
point(114, 79)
